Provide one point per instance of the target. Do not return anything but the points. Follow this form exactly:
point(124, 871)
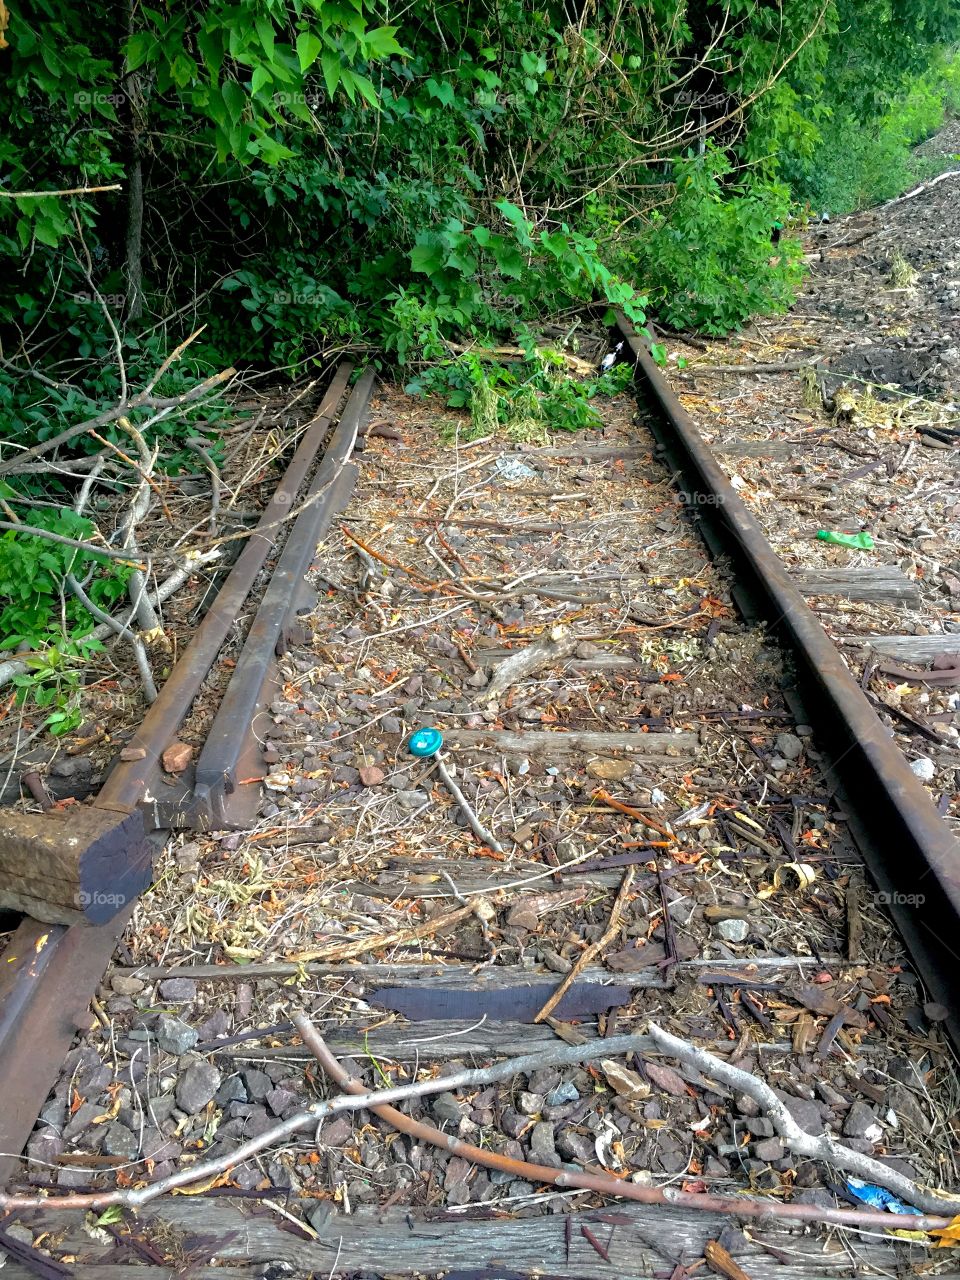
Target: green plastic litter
point(858, 541)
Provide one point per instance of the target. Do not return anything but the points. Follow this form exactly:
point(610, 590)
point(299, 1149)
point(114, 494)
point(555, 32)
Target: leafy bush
point(708, 263)
point(38, 610)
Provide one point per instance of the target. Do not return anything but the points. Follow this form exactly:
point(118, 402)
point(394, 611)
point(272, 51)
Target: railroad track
point(883, 822)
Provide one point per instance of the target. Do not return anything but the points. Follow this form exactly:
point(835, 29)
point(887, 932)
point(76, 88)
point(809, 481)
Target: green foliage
point(40, 612)
point(856, 163)
point(709, 263)
point(525, 399)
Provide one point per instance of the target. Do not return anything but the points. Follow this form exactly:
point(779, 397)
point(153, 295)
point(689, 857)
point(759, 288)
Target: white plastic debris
point(657, 796)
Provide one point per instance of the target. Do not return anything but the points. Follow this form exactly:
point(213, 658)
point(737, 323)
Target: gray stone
point(789, 745)
point(564, 1092)
point(161, 1107)
point(448, 1109)
point(859, 1119)
point(120, 1141)
point(769, 1149)
point(258, 1084)
point(512, 1123)
point(336, 1131)
point(81, 1119)
point(818, 1196)
point(174, 1036)
point(733, 930)
point(126, 986)
point(180, 989)
point(542, 1145)
point(530, 1104)
point(807, 1114)
point(19, 1231)
point(281, 1100)
point(197, 1086)
point(232, 1090)
point(760, 1127)
point(576, 1146)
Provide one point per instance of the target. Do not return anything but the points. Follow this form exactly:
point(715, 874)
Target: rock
point(280, 1100)
point(448, 1108)
point(133, 753)
point(22, 1233)
point(177, 756)
point(542, 1146)
point(197, 1086)
point(789, 745)
point(733, 930)
point(125, 986)
point(860, 1121)
point(818, 1196)
point(609, 770)
point(81, 1119)
point(174, 1036)
point(371, 775)
point(184, 989)
point(807, 1114)
point(923, 768)
point(530, 1104)
point(576, 1146)
point(232, 1090)
point(907, 1108)
point(769, 1149)
point(455, 1181)
point(478, 679)
point(258, 1084)
point(513, 1124)
point(391, 724)
point(120, 1141)
point(524, 915)
point(565, 1092)
point(217, 1025)
point(336, 1132)
point(760, 1127)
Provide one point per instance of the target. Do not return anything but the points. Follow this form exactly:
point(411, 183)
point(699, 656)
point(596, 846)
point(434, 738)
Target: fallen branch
point(553, 645)
point(801, 1143)
point(399, 937)
point(123, 630)
point(92, 548)
point(142, 400)
point(560, 1055)
point(21, 665)
point(585, 957)
point(356, 1097)
point(924, 186)
point(788, 366)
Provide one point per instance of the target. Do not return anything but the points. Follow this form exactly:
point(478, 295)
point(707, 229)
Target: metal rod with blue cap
point(427, 742)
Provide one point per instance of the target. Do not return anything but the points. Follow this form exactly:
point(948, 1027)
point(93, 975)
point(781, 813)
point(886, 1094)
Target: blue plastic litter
point(425, 742)
point(878, 1197)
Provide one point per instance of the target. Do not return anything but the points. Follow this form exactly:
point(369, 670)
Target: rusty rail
point(51, 970)
point(906, 845)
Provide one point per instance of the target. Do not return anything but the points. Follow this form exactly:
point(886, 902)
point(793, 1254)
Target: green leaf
point(267, 36)
point(331, 66)
point(260, 78)
point(308, 49)
point(442, 92)
point(234, 99)
point(428, 254)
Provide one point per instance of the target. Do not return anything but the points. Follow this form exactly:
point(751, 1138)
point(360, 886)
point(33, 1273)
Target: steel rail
point(906, 845)
point(51, 970)
point(216, 771)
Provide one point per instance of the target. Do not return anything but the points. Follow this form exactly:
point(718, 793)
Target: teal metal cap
point(425, 742)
